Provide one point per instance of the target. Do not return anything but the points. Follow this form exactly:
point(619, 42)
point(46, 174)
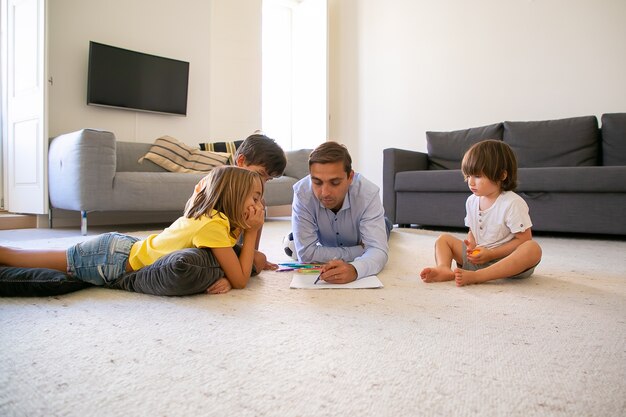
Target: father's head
point(330, 166)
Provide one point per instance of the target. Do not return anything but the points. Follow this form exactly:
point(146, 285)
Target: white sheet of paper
point(306, 281)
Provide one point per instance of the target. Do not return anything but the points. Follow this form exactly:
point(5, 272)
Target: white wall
point(402, 67)
point(220, 39)
point(235, 86)
point(397, 68)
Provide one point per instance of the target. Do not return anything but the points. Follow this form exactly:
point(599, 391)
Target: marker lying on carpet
point(307, 270)
point(301, 270)
point(297, 265)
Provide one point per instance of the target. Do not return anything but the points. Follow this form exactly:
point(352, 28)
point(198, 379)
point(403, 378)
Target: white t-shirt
point(498, 224)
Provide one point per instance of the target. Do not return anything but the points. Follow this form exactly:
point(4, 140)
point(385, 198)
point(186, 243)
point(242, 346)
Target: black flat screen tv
point(136, 81)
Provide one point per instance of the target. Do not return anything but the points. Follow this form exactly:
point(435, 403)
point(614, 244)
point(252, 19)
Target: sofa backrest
point(128, 155)
point(446, 149)
point(555, 143)
point(297, 163)
point(614, 139)
point(575, 141)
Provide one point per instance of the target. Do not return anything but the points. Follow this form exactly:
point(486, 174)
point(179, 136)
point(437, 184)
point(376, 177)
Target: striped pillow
point(228, 147)
point(175, 156)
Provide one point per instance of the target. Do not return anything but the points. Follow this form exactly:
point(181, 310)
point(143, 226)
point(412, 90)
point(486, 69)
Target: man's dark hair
point(330, 152)
point(258, 149)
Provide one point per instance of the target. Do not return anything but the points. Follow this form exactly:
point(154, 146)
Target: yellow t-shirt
point(205, 232)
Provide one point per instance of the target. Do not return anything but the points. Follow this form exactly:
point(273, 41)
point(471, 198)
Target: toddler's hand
point(478, 255)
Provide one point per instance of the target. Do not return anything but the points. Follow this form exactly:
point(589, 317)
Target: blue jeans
point(100, 260)
point(388, 226)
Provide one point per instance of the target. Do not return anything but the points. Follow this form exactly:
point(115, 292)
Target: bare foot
point(437, 274)
point(463, 277)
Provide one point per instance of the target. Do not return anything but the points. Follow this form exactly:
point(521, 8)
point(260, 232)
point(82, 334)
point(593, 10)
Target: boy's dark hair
point(493, 159)
point(258, 149)
point(330, 152)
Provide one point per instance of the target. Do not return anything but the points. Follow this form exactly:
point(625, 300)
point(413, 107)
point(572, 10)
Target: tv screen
point(136, 81)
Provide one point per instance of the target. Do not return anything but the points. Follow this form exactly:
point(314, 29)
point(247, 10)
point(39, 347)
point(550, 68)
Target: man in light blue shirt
point(338, 218)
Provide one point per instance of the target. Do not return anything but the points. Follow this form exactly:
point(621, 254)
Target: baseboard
point(68, 218)
point(279, 211)
point(9, 221)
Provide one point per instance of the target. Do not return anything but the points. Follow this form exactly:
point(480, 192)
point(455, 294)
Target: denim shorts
point(468, 266)
point(101, 260)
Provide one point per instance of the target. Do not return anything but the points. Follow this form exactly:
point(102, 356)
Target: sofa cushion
point(297, 163)
point(554, 143)
point(36, 282)
point(585, 179)
point(442, 181)
point(281, 191)
point(154, 191)
point(128, 155)
point(446, 149)
point(176, 156)
point(614, 139)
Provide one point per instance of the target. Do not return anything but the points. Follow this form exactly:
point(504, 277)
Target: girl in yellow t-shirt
point(225, 206)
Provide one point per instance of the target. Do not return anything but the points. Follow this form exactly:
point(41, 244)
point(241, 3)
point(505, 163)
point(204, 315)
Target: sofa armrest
point(394, 161)
point(81, 168)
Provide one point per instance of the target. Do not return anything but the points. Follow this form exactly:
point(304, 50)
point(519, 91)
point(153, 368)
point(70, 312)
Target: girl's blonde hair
point(225, 189)
point(493, 159)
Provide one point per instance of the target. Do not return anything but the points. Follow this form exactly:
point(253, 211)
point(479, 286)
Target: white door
point(26, 128)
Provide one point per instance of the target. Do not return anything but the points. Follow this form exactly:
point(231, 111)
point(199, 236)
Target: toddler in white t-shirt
point(499, 243)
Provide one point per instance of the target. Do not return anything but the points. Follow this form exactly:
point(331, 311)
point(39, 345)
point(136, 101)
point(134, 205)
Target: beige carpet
point(552, 345)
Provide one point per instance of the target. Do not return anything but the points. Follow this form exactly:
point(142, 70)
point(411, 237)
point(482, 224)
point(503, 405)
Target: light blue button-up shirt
point(356, 233)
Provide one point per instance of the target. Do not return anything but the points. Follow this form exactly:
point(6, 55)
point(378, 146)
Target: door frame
point(24, 110)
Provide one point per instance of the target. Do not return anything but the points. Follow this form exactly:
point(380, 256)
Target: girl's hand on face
point(255, 216)
point(220, 286)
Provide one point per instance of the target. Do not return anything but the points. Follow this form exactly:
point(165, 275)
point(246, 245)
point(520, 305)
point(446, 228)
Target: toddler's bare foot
point(437, 274)
point(463, 277)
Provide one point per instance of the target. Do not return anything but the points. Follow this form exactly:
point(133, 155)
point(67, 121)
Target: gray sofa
point(89, 170)
point(572, 174)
